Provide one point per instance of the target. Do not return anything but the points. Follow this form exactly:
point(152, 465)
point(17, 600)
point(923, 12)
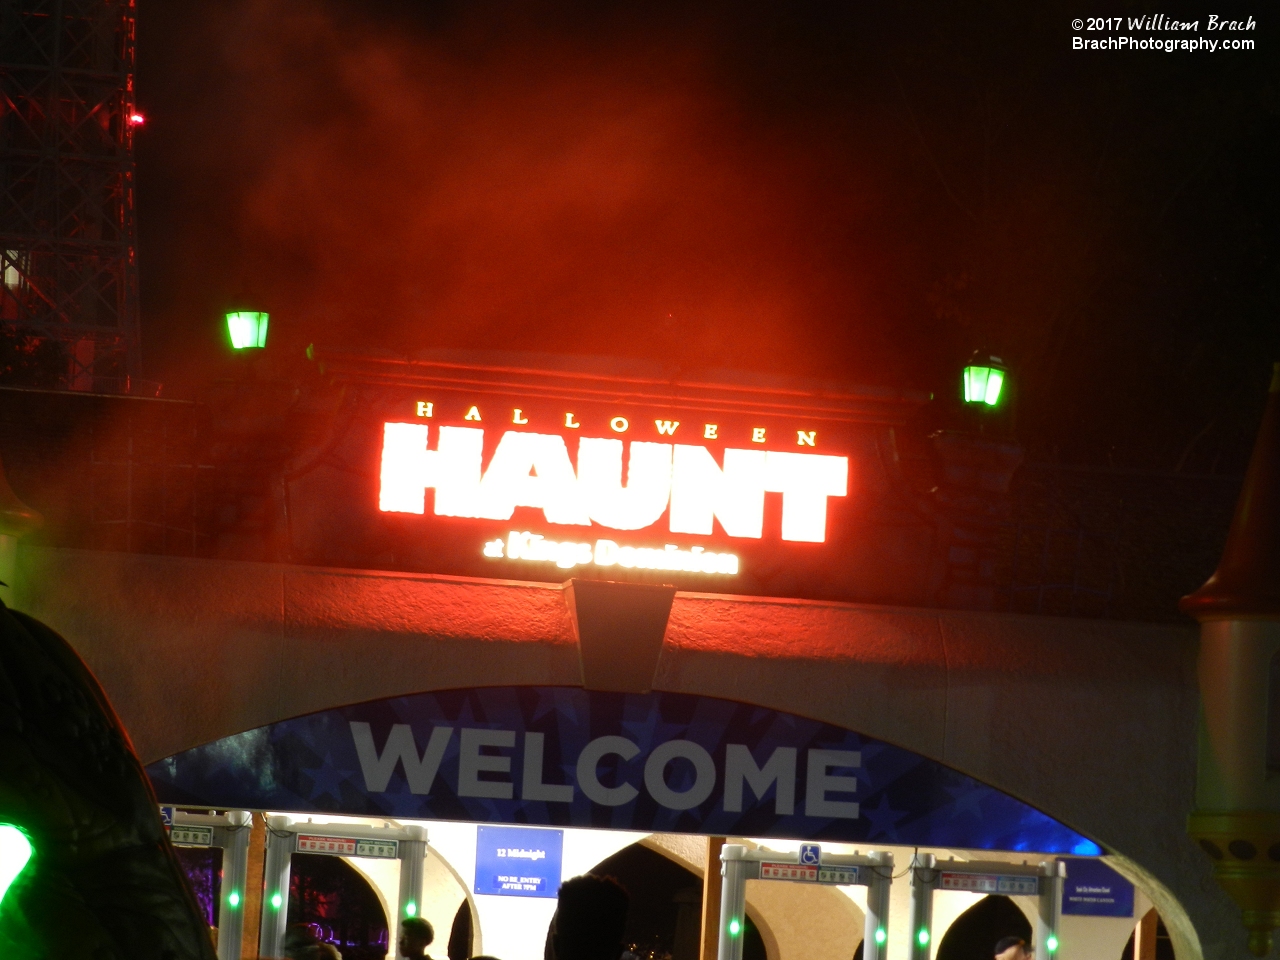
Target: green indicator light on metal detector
point(923, 936)
point(410, 909)
point(735, 927)
point(15, 853)
point(1051, 943)
point(276, 900)
point(881, 936)
point(233, 898)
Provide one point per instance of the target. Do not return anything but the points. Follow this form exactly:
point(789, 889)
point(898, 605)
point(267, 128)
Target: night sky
point(864, 193)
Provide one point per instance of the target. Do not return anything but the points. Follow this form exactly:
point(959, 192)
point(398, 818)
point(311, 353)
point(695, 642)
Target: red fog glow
point(526, 190)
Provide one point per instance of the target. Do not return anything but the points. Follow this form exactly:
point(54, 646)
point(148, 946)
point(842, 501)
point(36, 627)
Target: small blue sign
point(1095, 890)
point(810, 854)
point(166, 815)
point(518, 861)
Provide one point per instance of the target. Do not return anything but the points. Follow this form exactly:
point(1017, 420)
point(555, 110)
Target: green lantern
point(984, 379)
point(15, 852)
point(248, 330)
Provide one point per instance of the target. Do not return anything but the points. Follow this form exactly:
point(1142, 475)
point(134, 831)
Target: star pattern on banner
point(884, 819)
point(400, 800)
point(556, 700)
point(967, 798)
point(651, 729)
point(327, 779)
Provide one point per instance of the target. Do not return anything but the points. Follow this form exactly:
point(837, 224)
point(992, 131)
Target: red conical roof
point(1247, 582)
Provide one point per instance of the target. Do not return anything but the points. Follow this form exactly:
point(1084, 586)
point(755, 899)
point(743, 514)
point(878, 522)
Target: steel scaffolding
point(68, 264)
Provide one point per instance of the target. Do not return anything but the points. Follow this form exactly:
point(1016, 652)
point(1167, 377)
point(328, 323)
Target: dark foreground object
point(103, 883)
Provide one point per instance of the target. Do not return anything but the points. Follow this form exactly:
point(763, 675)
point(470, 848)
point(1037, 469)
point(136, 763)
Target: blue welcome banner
point(566, 757)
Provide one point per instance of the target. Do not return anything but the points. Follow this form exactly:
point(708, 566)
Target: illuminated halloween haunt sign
point(665, 484)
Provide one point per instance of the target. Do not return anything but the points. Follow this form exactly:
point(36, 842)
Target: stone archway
point(339, 905)
point(796, 922)
point(973, 934)
point(155, 629)
point(666, 902)
point(444, 892)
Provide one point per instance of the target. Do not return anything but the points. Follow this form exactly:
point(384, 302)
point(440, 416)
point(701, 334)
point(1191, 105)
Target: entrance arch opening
point(665, 915)
point(1156, 945)
point(976, 931)
point(575, 776)
point(460, 934)
point(329, 898)
point(203, 869)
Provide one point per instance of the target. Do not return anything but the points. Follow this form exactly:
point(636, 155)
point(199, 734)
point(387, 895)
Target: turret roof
point(1247, 581)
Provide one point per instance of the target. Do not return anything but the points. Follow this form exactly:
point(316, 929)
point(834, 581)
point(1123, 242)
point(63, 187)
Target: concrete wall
point(1091, 721)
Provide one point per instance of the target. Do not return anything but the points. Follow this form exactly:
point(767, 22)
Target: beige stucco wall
point(1091, 721)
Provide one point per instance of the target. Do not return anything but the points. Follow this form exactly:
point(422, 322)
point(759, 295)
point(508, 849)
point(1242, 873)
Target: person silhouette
point(416, 935)
point(1013, 948)
point(590, 919)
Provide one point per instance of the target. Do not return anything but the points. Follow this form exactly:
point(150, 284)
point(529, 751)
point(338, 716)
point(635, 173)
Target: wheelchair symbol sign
point(810, 854)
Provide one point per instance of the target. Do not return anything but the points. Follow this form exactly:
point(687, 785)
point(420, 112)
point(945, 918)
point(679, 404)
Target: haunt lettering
point(534, 470)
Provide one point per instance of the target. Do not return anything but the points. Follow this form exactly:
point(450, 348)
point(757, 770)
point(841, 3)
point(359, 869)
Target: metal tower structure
point(68, 263)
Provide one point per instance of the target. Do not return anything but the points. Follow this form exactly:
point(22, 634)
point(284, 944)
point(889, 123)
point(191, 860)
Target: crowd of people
point(590, 923)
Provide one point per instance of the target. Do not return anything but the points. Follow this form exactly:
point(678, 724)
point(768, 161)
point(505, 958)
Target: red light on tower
point(136, 119)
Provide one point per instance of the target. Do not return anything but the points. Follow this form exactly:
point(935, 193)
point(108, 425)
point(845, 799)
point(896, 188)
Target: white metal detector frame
point(738, 865)
point(282, 844)
point(230, 832)
point(1010, 879)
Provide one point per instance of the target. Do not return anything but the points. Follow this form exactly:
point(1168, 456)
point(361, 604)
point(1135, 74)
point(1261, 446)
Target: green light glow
point(1051, 943)
point(735, 927)
point(277, 900)
point(923, 936)
point(248, 330)
point(15, 853)
point(410, 909)
point(881, 936)
point(983, 385)
point(233, 898)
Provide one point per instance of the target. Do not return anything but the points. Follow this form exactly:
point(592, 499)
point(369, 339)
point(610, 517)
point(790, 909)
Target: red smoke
point(518, 186)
